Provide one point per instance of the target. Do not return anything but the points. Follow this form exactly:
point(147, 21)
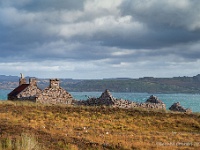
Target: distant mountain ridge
point(145, 84)
point(8, 78)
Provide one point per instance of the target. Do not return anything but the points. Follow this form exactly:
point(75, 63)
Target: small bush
point(24, 142)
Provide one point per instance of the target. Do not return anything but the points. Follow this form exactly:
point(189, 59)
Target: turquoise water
point(191, 101)
point(3, 94)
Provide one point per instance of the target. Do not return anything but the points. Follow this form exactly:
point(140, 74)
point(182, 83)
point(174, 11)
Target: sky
point(95, 39)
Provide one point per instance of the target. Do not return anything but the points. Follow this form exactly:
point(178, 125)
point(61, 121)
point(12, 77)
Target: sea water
point(191, 101)
point(3, 94)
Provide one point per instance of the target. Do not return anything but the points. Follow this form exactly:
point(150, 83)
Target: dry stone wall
point(151, 105)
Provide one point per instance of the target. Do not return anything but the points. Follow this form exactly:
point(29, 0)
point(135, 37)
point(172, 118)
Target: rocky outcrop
point(106, 99)
point(177, 107)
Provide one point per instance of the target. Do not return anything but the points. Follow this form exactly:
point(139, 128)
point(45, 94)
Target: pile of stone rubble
point(154, 99)
point(177, 107)
point(106, 99)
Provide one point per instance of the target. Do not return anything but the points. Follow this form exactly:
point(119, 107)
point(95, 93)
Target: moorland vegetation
point(28, 125)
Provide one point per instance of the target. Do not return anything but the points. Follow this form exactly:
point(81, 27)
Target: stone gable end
point(29, 93)
point(54, 96)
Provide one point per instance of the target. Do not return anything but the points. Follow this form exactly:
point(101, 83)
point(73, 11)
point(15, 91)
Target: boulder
point(177, 107)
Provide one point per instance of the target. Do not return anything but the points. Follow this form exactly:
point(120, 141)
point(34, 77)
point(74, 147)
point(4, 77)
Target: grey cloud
point(171, 13)
point(168, 23)
point(153, 38)
point(143, 33)
point(44, 5)
point(75, 51)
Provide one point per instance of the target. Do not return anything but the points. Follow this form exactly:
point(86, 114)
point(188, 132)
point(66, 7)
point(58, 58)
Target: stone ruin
point(154, 99)
point(106, 99)
point(25, 91)
point(153, 102)
point(54, 94)
point(177, 107)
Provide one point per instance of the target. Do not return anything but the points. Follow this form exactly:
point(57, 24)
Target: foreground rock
point(106, 99)
point(177, 107)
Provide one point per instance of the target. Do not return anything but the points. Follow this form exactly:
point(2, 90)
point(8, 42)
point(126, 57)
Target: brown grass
point(23, 142)
point(68, 127)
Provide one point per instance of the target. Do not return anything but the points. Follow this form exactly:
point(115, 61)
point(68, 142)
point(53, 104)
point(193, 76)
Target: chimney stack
point(33, 81)
point(22, 80)
point(54, 83)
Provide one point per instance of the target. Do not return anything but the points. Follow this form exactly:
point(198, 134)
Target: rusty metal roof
point(18, 90)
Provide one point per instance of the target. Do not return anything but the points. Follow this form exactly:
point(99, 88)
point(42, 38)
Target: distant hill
point(146, 84)
point(4, 78)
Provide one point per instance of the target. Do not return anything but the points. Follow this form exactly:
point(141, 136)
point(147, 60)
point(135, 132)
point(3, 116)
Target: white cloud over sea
point(100, 38)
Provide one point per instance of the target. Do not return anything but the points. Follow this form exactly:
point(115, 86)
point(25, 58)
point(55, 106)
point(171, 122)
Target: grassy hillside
point(68, 127)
